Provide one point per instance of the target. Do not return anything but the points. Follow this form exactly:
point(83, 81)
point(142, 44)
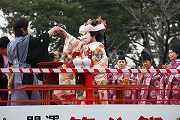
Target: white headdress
point(87, 28)
point(90, 26)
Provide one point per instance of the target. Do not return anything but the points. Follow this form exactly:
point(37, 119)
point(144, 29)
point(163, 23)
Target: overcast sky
point(3, 23)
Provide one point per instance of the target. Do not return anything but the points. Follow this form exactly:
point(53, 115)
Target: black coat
point(3, 83)
point(3, 78)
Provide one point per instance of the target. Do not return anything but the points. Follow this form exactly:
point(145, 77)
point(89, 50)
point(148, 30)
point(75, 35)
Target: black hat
point(4, 41)
point(140, 61)
point(174, 44)
point(145, 54)
point(121, 56)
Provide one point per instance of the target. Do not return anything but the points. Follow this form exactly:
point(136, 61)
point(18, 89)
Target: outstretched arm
point(53, 30)
point(62, 31)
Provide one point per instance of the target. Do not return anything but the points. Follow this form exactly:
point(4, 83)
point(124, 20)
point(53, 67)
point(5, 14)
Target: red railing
point(88, 86)
point(88, 101)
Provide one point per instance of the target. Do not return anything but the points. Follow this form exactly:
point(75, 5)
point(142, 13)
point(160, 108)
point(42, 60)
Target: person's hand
point(143, 67)
point(165, 67)
point(62, 31)
point(57, 29)
point(53, 30)
point(89, 22)
point(100, 20)
point(132, 80)
point(143, 75)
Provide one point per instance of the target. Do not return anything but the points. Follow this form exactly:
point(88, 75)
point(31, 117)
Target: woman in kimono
point(119, 78)
point(171, 80)
point(151, 80)
point(26, 51)
point(86, 45)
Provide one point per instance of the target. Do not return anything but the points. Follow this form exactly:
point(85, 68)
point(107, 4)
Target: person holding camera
point(56, 55)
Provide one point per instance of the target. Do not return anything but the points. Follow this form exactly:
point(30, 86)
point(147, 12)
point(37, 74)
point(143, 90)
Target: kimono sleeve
point(71, 45)
point(103, 62)
point(38, 50)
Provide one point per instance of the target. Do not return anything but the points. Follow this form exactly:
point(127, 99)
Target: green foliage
point(44, 14)
point(128, 21)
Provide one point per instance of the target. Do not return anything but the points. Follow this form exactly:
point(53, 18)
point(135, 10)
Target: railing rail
point(88, 86)
point(72, 70)
point(48, 88)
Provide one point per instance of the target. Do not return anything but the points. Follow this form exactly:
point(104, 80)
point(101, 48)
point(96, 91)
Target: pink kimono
point(151, 80)
point(170, 81)
point(115, 78)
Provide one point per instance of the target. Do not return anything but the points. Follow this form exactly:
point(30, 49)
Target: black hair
point(18, 24)
point(177, 52)
point(97, 34)
point(4, 41)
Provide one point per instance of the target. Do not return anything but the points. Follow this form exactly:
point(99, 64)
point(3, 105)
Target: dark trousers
point(3, 96)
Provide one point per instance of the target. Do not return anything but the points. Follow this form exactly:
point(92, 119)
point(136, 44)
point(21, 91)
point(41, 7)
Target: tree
point(70, 14)
point(156, 22)
point(43, 15)
point(130, 23)
point(117, 18)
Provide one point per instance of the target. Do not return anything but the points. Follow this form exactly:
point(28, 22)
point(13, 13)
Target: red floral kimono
point(98, 60)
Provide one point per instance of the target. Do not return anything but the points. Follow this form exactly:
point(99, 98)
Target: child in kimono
point(86, 45)
point(171, 80)
point(151, 80)
point(118, 78)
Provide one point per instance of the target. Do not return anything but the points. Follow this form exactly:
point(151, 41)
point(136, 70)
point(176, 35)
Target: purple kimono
point(168, 81)
point(151, 80)
point(115, 78)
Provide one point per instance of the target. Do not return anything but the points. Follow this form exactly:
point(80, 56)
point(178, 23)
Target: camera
point(51, 55)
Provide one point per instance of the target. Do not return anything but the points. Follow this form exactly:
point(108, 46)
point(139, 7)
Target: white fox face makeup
point(85, 37)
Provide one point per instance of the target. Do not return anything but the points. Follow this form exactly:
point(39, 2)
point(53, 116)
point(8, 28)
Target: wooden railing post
point(89, 88)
